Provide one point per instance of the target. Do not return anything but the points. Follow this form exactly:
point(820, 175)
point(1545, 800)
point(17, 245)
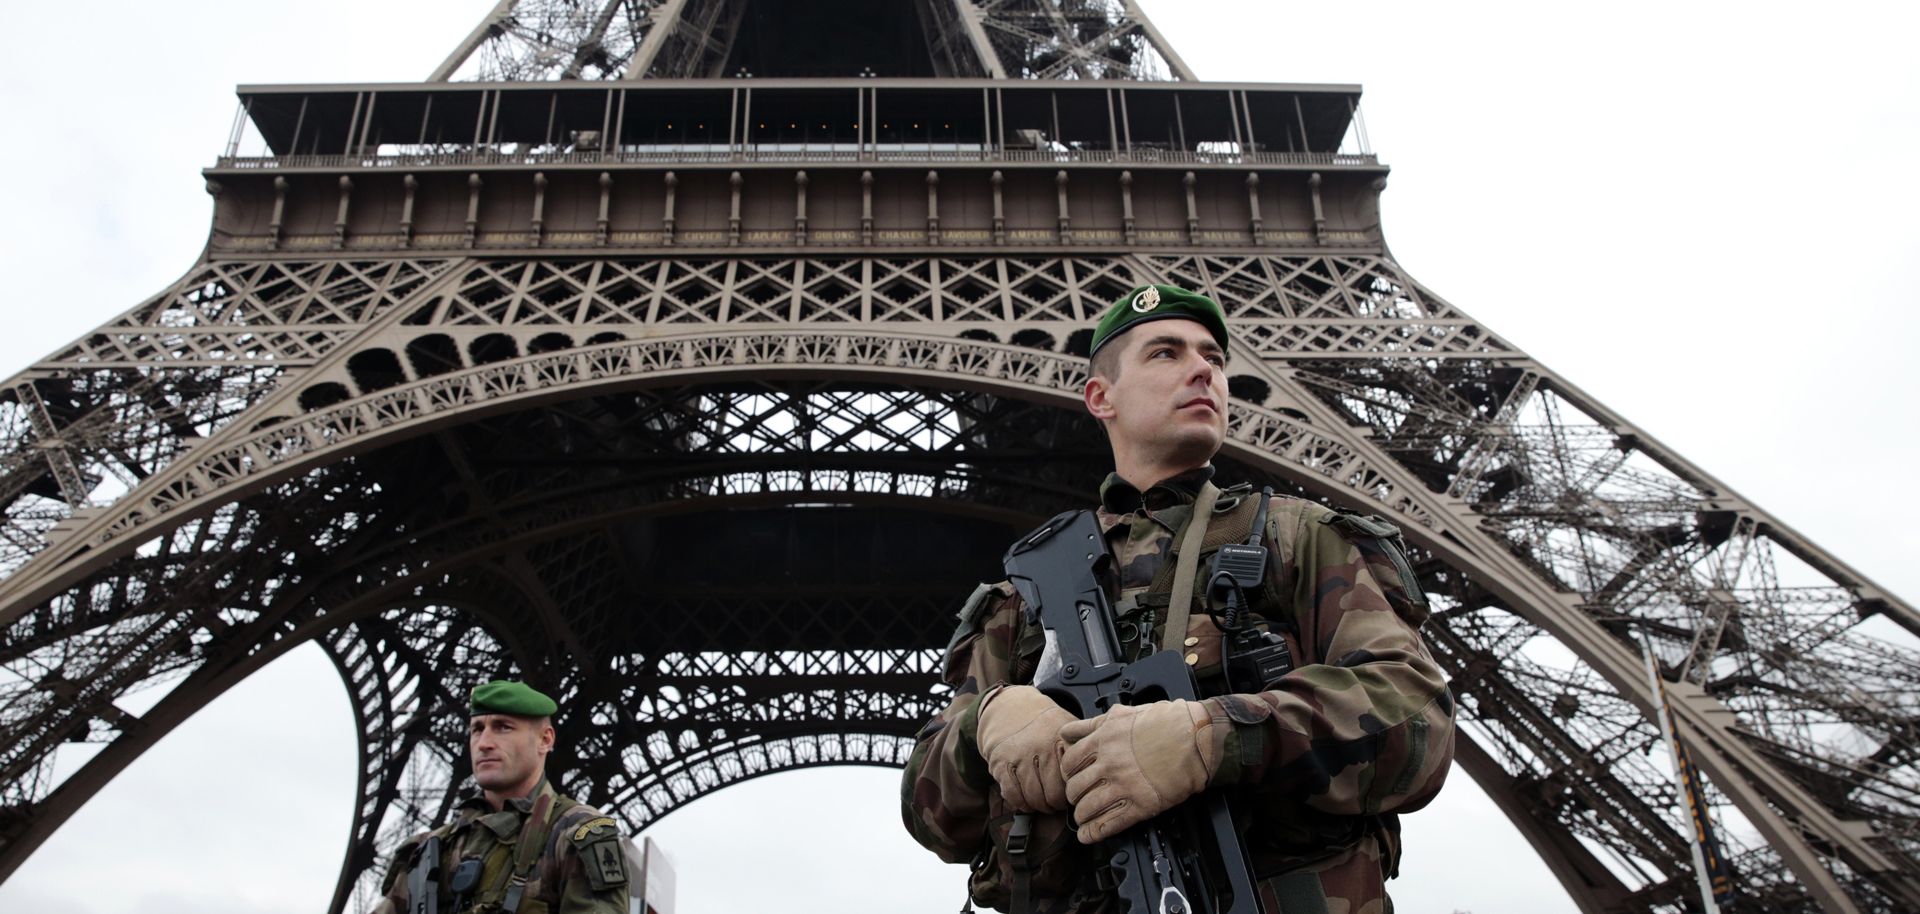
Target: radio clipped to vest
point(1252, 660)
point(465, 877)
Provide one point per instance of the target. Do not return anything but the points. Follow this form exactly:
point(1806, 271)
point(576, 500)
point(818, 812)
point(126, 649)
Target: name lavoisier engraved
point(668, 356)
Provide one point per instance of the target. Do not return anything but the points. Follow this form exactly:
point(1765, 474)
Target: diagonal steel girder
point(501, 29)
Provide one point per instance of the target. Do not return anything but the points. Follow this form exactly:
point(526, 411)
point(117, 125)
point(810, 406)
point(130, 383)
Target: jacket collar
point(525, 804)
point(476, 801)
point(1118, 496)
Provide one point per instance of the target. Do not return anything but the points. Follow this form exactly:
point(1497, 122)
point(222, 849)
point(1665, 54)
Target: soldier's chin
point(1198, 444)
point(493, 779)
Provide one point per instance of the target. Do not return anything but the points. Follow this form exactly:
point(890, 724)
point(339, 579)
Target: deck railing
point(792, 154)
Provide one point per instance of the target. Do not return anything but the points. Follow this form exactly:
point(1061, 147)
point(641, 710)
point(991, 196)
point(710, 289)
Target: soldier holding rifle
point(1316, 713)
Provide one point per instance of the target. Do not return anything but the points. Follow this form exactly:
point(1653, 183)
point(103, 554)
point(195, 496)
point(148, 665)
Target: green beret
point(1152, 303)
point(517, 698)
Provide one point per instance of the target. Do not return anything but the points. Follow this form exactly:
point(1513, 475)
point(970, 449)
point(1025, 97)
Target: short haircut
point(1106, 362)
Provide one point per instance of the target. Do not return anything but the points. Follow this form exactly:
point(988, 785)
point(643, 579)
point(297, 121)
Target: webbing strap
point(1017, 836)
point(526, 855)
point(1022, 890)
point(1192, 543)
point(1299, 893)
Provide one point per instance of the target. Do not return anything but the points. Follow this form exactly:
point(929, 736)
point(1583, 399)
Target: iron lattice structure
point(707, 428)
point(523, 40)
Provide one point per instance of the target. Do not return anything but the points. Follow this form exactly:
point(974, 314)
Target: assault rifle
point(1188, 860)
point(423, 882)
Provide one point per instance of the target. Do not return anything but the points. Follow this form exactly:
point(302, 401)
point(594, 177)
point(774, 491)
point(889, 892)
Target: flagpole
point(1688, 814)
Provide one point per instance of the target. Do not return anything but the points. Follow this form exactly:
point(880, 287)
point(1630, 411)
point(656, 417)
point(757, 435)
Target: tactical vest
point(1057, 862)
point(507, 865)
point(1378, 541)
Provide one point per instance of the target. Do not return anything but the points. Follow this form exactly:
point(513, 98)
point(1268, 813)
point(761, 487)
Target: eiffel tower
point(669, 355)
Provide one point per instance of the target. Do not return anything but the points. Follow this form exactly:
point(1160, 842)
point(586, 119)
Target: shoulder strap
point(1224, 526)
point(1187, 563)
point(526, 853)
point(1022, 901)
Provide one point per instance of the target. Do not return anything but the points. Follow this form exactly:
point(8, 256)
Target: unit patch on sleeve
point(606, 866)
point(597, 841)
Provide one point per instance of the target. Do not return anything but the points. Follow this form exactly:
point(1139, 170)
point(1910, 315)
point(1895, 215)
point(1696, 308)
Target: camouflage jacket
point(1362, 727)
point(583, 866)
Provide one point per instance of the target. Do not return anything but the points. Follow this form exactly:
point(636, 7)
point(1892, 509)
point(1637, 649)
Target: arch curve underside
point(512, 501)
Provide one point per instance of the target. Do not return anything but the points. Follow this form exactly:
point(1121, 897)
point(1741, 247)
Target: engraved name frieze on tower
point(474, 372)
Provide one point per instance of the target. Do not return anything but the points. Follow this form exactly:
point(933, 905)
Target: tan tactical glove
point(1135, 762)
point(1019, 736)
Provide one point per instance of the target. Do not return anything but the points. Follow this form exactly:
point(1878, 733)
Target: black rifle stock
point(1189, 860)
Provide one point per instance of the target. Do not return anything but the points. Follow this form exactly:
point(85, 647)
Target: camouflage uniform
point(1360, 729)
point(582, 867)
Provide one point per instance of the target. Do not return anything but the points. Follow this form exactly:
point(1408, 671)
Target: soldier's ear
point(1098, 395)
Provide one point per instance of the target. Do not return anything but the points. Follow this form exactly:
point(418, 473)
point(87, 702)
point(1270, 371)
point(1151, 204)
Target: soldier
point(1318, 761)
point(517, 846)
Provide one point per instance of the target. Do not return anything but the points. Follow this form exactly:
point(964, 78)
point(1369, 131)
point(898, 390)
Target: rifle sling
point(1186, 564)
point(526, 852)
point(1017, 837)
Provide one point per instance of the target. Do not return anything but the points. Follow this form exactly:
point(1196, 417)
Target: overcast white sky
point(1701, 213)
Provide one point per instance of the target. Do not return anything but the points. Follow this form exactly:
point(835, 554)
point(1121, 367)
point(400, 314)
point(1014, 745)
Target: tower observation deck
point(474, 371)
